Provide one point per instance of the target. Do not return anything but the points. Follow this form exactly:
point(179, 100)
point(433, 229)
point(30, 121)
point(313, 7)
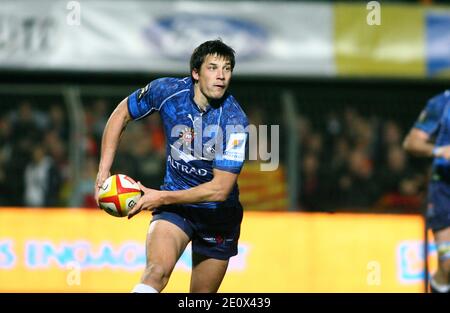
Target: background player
point(199, 200)
point(434, 123)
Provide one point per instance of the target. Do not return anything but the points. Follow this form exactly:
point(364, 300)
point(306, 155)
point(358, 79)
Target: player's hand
point(150, 200)
point(443, 152)
point(101, 177)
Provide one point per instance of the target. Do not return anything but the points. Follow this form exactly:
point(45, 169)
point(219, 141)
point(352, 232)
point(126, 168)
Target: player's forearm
point(111, 136)
point(207, 192)
point(418, 147)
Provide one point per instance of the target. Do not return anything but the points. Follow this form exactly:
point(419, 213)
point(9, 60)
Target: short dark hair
point(214, 47)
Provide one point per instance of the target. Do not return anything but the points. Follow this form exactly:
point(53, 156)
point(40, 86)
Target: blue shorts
point(438, 209)
point(214, 233)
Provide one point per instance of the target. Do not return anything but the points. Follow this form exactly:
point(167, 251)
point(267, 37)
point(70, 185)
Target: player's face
point(214, 76)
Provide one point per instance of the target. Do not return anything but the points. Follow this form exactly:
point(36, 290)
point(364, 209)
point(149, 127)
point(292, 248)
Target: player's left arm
point(216, 190)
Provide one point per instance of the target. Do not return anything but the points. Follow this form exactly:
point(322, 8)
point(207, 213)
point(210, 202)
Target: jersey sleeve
point(149, 99)
point(430, 117)
point(231, 156)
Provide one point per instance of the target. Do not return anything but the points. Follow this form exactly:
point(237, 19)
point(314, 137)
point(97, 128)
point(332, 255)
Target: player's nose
point(220, 74)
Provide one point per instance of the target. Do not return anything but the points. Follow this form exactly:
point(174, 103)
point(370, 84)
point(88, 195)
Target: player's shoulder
point(170, 85)
point(440, 99)
point(234, 109)
point(174, 81)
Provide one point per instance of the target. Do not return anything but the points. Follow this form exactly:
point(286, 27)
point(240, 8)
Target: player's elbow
point(222, 185)
point(407, 144)
point(220, 196)
point(220, 193)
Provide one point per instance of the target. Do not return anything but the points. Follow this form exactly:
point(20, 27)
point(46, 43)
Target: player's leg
point(438, 219)
point(207, 273)
point(166, 240)
point(214, 242)
point(441, 279)
point(211, 252)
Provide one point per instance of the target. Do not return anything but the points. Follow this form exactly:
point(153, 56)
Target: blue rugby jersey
point(435, 121)
point(196, 141)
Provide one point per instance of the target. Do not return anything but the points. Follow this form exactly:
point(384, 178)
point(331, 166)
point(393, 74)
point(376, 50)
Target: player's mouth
point(220, 86)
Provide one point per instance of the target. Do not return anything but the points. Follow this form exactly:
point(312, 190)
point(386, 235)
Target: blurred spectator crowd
point(35, 154)
point(353, 162)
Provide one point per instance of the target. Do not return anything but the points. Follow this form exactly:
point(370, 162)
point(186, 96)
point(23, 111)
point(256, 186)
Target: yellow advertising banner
point(384, 40)
point(75, 250)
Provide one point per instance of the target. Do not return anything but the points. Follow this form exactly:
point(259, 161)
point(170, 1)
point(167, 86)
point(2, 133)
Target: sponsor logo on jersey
point(422, 116)
point(235, 150)
point(187, 136)
point(187, 169)
point(142, 92)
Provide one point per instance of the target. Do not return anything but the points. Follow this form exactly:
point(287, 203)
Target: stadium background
point(343, 212)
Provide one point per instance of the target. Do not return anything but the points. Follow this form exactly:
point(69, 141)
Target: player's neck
point(200, 100)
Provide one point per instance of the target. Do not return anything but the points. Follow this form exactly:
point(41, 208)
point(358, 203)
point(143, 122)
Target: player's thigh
point(207, 273)
point(438, 210)
point(165, 244)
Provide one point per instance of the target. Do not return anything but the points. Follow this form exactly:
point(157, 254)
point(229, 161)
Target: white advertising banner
point(281, 38)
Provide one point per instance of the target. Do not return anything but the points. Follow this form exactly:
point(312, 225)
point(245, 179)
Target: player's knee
point(446, 266)
point(444, 256)
point(155, 273)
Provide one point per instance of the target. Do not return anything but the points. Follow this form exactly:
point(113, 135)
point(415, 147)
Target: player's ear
point(195, 74)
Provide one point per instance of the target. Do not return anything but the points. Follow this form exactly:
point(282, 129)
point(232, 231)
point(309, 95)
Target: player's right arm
point(417, 142)
point(111, 136)
point(139, 104)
